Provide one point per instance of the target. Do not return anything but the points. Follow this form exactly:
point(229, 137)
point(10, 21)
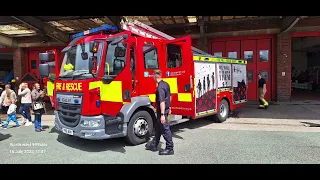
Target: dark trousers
point(24, 110)
point(164, 130)
point(37, 119)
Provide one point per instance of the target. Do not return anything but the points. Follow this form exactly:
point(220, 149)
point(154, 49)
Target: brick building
point(265, 41)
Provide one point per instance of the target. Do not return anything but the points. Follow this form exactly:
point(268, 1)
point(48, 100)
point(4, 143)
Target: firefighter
point(163, 100)
point(68, 67)
point(262, 86)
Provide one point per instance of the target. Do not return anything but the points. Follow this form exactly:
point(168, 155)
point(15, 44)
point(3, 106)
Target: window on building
point(250, 75)
point(264, 55)
point(33, 64)
point(264, 74)
point(174, 56)
point(217, 54)
point(248, 55)
point(232, 55)
point(150, 54)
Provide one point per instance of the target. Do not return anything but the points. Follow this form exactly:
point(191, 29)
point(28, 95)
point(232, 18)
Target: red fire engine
point(105, 87)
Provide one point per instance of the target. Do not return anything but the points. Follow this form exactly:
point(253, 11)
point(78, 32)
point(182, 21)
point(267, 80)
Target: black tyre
point(140, 128)
point(223, 111)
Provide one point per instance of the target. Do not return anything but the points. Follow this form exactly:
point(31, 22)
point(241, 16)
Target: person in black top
point(212, 76)
point(208, 82)
point(199, 89)
point(163, 101)
point(262, 86)
point(204, 84)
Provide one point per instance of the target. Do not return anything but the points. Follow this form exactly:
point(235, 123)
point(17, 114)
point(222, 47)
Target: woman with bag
point(24, 109)
point(37, 96)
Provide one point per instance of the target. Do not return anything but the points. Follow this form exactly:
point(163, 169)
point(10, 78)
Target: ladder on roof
point(144, 30)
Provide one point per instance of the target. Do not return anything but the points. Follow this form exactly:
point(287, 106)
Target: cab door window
point(150, 54)
point(174, 56)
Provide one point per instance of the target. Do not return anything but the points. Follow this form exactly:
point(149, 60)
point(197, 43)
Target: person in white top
point(24, 109)
point(11, 114)
point(6, 94)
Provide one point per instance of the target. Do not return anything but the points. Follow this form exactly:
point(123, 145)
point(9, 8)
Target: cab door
point(149, 54)
point(178, 71)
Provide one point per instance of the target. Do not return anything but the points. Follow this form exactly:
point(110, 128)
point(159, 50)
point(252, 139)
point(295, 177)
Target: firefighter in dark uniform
point(262, 86)
point(163, 100)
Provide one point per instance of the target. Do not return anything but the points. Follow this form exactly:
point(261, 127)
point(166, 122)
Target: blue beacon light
point(95, 30)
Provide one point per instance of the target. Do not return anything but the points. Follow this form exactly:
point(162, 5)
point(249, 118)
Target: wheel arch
point(137, 103)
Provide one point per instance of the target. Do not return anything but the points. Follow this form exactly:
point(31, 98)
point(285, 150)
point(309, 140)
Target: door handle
point(126, 95)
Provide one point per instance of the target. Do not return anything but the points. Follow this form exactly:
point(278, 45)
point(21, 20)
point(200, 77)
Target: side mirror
point(44, 70)
point(92, 64)
point(44, 57)
point(119, 52)
point(118, 64)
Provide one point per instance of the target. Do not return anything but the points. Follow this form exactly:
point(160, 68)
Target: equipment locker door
point(179, 73)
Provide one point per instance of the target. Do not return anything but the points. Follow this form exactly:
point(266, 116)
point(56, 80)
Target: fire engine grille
point(69, 114)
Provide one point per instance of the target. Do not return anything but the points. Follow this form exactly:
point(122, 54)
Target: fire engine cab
point(105, 88)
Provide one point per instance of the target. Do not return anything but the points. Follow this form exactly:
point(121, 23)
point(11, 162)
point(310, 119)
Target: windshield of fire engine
point(76, 60)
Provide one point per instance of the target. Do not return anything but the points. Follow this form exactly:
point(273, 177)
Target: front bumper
point(109, 128)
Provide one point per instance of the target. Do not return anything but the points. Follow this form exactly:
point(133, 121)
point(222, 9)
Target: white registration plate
point(67, 131)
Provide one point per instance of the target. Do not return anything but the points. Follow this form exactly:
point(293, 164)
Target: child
point(11, 114)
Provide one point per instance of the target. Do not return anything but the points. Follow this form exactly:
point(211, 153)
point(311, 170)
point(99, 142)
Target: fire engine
point(105, 88)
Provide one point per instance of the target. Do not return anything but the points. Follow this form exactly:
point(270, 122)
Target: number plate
point(67, 131)
point(66, 100)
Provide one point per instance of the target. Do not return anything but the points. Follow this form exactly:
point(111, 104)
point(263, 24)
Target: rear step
point(177, 119)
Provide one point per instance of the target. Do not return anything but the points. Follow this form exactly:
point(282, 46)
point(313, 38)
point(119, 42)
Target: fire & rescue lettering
point(69, 86)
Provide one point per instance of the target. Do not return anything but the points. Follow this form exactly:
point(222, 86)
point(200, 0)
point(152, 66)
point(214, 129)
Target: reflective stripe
point(152, 97)
point(184, 97)
point(219, 60)
point(173, 83)
point(94, 85)
point(108, 92)
point(50, 88)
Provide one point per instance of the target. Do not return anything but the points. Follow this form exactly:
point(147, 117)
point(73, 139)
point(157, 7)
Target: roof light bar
point(95, 30)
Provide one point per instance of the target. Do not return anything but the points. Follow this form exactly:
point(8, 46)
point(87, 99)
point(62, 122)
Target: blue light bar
point(95, 30)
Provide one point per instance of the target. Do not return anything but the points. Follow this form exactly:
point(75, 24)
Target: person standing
point(37, 96)
point(24, 109)
point(163, 100)
point(262, 86)
point(7, 94)
point(11, 114)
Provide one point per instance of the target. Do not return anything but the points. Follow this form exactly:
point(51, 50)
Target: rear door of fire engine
point(178, 71)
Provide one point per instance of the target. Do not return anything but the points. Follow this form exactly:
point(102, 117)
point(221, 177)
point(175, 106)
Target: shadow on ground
point(4, 136)
point(119, 144)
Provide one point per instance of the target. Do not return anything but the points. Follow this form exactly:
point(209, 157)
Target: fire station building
point(285, 50)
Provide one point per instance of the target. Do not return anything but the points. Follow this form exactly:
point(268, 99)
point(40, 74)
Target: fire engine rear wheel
point(223, 111)
point(139, 128)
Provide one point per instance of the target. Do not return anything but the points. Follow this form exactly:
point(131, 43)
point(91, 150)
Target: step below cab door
point(178, 71)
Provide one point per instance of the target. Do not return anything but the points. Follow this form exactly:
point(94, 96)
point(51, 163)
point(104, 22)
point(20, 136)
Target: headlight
point(91, 123)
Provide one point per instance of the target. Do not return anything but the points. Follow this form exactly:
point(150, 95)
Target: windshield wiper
point(79, 74)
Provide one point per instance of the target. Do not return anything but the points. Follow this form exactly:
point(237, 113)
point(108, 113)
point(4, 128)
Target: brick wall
point(19, 62)
point(283, 65)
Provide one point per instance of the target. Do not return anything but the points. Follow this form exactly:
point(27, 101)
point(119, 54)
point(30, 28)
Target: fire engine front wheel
point(139, 128)
point(223, 111)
